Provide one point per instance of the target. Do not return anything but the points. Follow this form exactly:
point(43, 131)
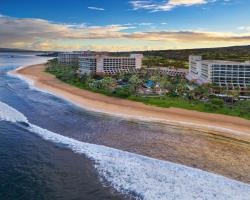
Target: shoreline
point(224, 153)
point(221, 125)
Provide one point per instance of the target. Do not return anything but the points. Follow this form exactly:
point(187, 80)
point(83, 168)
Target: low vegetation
point(235, 53)
point(154, 61)
point(179, 58)
point(153, 89)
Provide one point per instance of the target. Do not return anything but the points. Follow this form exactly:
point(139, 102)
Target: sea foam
point(147, 178)
point(8, 113)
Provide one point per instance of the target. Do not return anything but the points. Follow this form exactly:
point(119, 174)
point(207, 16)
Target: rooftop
point(225, 62)
point(113, 57)
point(168, 69)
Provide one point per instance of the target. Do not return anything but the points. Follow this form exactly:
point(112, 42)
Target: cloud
point(96, 8)
point(46, 35)
point(190, 36)
point(145, 24)
point(16, 31)
point(244, 28)
point(165, 5)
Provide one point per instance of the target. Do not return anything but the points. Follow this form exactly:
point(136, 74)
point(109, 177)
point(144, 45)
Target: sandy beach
point(227, 126)
point(212, 142)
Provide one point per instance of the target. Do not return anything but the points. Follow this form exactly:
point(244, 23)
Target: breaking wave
point(10, 114)
point(148, 178)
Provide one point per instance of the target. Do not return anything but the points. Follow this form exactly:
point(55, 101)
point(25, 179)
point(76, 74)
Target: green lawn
point(167, 102)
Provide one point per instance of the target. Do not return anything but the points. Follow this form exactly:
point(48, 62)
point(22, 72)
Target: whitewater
point(147, 178)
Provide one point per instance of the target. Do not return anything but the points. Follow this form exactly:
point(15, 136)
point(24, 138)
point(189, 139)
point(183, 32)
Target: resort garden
point(154, 89)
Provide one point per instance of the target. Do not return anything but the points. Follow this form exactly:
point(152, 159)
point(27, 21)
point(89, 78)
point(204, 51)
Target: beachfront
point(215, 132)
point(228, 126)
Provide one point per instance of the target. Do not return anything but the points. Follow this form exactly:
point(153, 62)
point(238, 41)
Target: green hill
point(235, 53)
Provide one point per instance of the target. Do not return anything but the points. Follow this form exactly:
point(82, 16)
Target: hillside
point(236, 53)
point(15, 50)
point(39, 53)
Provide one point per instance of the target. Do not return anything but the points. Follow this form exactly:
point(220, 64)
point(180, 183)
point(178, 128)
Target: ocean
point(31, 168)
point(52, 149)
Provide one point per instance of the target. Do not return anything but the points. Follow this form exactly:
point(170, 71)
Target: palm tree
point(135, 82)
point(107, 82)
point(236, 93)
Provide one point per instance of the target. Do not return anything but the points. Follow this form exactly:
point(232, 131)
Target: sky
point(123, 25)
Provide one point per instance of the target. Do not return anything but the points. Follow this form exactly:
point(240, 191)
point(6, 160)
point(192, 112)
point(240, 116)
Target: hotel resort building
point(228, 74)
point(71, 58)
point(103, 64)
point(169, 71)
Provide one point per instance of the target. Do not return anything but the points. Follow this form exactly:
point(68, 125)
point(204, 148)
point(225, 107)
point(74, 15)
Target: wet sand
point(219, 155)
point(211, 142)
